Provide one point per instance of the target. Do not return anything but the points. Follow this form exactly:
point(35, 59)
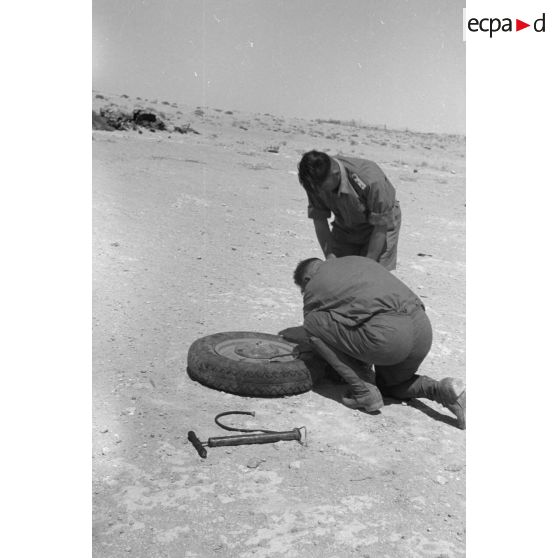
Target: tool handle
point(197, 444)
point(263, 438)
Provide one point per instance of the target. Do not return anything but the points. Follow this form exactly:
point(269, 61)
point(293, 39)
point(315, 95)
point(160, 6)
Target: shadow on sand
point(335, 390)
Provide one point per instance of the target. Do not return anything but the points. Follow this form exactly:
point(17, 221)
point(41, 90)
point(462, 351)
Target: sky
point(397, 63)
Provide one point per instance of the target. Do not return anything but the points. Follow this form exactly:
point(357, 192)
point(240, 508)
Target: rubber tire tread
point(263, 379)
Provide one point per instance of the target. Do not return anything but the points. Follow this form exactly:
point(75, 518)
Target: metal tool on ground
point(255, 436)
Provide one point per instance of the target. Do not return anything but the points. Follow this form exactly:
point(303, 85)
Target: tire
point(254, 364)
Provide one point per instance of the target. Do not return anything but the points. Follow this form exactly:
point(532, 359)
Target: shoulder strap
point(358, 186)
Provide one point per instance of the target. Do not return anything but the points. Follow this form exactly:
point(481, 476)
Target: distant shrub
point(166, 103)
point(99, 97)
point(101, 123)
point(118, 119)
point(115, 118)
point(199, 112)
point(124, 96)
point(229, 112)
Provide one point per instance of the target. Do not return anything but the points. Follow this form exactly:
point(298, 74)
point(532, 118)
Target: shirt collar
point(345, 186)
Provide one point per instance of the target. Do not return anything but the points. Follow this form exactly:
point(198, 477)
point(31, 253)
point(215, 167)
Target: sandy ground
point(198, 234)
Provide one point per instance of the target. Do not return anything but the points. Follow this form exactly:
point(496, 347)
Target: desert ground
point(198, 233)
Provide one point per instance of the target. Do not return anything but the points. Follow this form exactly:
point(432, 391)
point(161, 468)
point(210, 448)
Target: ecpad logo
point(493, 25)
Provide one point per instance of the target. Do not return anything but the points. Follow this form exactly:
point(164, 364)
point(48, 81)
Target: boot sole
point(367, 408)
point(459, 409)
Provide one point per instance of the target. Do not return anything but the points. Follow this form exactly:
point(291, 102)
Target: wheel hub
point(257, 350)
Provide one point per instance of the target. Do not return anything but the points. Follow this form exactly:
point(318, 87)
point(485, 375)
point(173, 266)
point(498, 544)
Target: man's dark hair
point(313, 169)
point(301, 268)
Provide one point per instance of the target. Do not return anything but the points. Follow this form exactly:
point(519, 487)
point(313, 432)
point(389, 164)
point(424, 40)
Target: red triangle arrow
point(519, 25)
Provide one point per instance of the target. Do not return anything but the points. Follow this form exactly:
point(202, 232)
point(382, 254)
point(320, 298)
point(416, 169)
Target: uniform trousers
point(396, 343)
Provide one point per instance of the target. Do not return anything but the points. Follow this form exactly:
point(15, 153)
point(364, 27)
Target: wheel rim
point(256, 350)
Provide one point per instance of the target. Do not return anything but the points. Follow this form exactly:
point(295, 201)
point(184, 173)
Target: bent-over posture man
point(362, 199)
point(358, 314)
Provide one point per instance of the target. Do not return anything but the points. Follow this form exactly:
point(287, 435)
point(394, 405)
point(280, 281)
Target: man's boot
point(450, 392)
point(364, 395)
point(370, 402)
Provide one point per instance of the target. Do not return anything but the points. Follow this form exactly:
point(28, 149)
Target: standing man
point(358, 314)
point(362, 199)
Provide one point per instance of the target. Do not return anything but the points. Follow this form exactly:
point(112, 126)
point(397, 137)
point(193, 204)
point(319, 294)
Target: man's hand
point(295, 334)
point(331, 256)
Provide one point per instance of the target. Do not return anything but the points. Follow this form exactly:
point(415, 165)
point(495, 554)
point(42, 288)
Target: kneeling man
point(358, 314)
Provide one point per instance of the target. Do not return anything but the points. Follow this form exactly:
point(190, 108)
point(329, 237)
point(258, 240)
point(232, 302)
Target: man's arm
point(323, 234)
point(376, 243)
